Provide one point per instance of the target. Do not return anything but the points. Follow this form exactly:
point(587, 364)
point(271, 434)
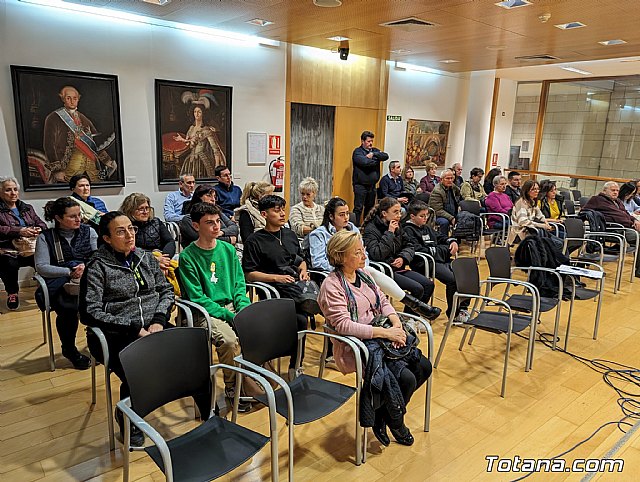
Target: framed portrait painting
point(193, 130)
point(68, 123)
point(426, 142)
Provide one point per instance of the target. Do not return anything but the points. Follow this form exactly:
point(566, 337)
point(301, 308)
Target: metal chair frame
point(46, 320)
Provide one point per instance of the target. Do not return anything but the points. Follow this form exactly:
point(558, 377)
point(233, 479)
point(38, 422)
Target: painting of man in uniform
point(68, 125)
point(193, 128)
point(426, 142)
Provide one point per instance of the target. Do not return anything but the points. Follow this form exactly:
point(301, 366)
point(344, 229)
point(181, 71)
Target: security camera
point(343, 50)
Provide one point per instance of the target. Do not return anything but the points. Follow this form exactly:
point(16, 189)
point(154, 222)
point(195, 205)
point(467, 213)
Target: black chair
point(499, 262)
point(576, 195)
point(569, 207)
point(584, 200)
point(174, 229)
point(498, 236)
point(305, 398)
point(631, 248)
point(173, 364)
point(497, 322)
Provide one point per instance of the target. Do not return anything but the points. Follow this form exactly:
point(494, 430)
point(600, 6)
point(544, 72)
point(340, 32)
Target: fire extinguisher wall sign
point(276, 171)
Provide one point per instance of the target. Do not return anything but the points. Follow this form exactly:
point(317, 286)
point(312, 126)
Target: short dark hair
point(476, 171)
point(103, 227)
point(392, 164)
point(74, 180)
point(271, 201)
point(365, 135)
point(512, 174)
point(218, 170)
point(201, 210)
point(416, 206)
point(58, 208)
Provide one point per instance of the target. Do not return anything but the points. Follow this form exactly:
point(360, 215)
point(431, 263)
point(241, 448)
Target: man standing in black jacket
point(366, 174)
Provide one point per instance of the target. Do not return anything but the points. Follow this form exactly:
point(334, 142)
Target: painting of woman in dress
point(194, 130)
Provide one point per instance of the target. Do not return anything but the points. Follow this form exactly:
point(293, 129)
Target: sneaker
point(13, 302)
point(295, 373)
point(77, 359)
point(244, 406)
point(463, 317)
point(136, 439)
point(330, 362)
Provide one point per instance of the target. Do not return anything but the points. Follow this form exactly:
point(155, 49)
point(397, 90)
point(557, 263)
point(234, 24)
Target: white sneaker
point(295, 373)
point(462, 318)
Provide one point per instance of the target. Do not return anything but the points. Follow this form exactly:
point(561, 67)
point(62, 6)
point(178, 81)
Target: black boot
point(429, 312)
point(380, 429)
point(137, 437)
point(402, 435)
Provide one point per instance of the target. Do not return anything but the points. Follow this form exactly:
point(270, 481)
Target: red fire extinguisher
point(276, 171)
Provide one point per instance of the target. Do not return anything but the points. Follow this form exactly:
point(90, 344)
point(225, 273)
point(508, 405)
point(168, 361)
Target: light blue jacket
point(318, 240)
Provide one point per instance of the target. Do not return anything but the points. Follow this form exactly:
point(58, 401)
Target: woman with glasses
point(151, 233)
point(526, 217)
point(60, 257)
point(125, 294)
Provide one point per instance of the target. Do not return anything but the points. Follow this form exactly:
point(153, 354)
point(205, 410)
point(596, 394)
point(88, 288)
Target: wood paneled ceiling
point(477, 33)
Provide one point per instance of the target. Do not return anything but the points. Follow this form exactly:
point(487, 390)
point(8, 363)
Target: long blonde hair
point(255, 190)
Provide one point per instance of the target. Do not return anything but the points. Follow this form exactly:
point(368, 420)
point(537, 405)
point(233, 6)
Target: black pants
point(411, 378)
point(66, 323)
point(9, 267)
point(416, 284)
point(116, 344)
point(364, 198)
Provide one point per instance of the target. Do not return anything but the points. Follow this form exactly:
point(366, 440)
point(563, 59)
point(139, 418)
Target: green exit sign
point(394, 118)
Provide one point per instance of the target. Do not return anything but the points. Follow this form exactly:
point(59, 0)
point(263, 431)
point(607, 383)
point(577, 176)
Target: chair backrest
point(167, 366)
point(574, 228)
point(352, 218)
point(267, 330)
point(499, 260)
point(467, 277)
point(569, 206)
point(576, 194)
point(584, 200)
point(470, 206)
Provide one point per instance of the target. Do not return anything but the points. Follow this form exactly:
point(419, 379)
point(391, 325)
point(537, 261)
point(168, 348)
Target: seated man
point(212, 277)
point(273, 255)
point(607, 203)
point(227, 192)
point(513, 189)
point(125, 294)
point(174, 201)
point(444, 201)
point(391, 185)
point(473, 189)
point(442, 248)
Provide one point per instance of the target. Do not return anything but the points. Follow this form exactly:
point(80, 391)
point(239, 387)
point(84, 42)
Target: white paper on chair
point(576, 271)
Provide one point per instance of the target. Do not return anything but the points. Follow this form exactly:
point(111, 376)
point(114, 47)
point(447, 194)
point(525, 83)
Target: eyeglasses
point(122, 232)
point(144, 209)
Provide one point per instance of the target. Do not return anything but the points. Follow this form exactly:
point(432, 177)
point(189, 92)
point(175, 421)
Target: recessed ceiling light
point(449, 61)
point(338, 38)
point(259, 22)
point(570, 25)
point(513, 3)
point(613, 42)
point(577, 71)
point(401, 51)
point(158, 2)
point(327, 3)
point(496, 47)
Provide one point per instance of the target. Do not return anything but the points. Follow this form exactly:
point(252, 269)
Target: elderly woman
point(350, 301)
point(61, 254)
point(526, 216)
point(152, 234)
point(248, 216)
point(17, 220)
point(409, 181)
point(80, 186)
point(306, 215)
point(428, 182)
point(205, 194)
point(124, 293)
point(498, 201)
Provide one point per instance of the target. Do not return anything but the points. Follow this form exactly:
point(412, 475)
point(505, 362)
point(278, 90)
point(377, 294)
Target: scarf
point(251, 207)
point(351, 301)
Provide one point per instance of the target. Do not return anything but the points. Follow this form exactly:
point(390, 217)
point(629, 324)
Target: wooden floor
point(49, 431)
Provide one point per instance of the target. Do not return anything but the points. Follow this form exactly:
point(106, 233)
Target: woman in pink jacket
point(498, 201)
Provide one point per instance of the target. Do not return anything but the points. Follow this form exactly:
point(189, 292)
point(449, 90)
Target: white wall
point(138, 53)
point(504, 121)
point(427, 96)
point(478, 120)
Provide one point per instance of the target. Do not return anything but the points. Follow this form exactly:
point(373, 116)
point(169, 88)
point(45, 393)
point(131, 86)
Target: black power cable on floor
point(612, 373)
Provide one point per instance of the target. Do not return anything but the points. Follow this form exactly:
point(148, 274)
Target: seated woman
point(385, 241)
point(350, 300)
point(61, 254)
point(498, 201)
point(152, 234)
point(409, 181)
point(124, 293)
point(627, 195)
point(526, 216)
point(472, 189)
point(80, 186)
point(335, 219)
point(205, 194)
point(488, 179)
point(428, 182)
point(17, 220)
point(247, 215)
point(551, 207)
point(306, 215)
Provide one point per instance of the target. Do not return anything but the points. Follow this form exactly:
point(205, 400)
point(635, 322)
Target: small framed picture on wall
point(68, 123)
point(193, 129)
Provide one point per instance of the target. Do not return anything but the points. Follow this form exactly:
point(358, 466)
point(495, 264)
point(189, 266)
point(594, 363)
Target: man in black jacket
point(366, 174)
point(513, 189)
point(427, 240)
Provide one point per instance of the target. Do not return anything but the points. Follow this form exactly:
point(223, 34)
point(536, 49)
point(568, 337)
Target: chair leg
point(44, 328)
point(93, 380)
point(597, 321)
point(52, 360)
point(107, 393)
point(473, 335)
point(506, 366)
point(566, 336)
point(444, 338)
point(464, 337)
point(427, 405)
point(325, 348)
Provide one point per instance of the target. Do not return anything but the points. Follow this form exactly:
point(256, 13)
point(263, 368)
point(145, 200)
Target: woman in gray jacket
point(124, 293)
